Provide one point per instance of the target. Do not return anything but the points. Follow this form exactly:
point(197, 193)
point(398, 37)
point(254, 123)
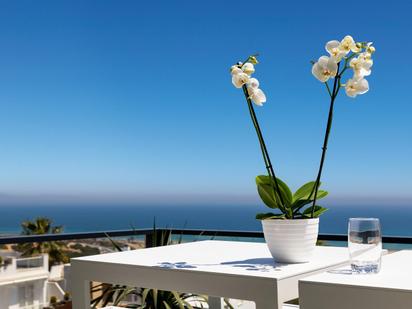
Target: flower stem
point(326, 139)
point(265, 154)
point(327, 87)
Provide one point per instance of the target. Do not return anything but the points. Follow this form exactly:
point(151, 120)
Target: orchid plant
point(274, 192)
point(343, 55)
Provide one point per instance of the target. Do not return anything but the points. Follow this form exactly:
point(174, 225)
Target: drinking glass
point(365, 245)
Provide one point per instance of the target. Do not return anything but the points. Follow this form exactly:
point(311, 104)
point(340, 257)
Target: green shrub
point(53, 300)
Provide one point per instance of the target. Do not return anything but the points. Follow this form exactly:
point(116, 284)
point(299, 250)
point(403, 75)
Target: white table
point(390, 288)
point(240, 270)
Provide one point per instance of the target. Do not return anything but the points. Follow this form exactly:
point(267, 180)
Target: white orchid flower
point(256, 95)
point(335, 51)
point(235, 70)
point(248, 68)
point(348, 44)
point(325, 68)
point(354, 87)
point(240, 79)
point(253, 83)
point(362, 65)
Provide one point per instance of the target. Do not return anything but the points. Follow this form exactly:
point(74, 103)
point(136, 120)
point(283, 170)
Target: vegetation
point(55, 249)
point(293, 205)
point(54, 303)
point(150, 298)
point(78, 250)
point(53, 300)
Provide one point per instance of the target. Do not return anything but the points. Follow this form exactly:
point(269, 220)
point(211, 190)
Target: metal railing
point(184, 232)
point(30, 262)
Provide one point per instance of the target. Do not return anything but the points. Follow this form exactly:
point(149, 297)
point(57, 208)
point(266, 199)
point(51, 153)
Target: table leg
point(81, 294)
point(214, 302)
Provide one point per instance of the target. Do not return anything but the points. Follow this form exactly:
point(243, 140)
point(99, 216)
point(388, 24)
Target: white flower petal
point(323, 60)
point(325, 68)
point(238, 80)
point(317, 71)
point(257, 95)
point(363, 86)
point(354, 87)
point(248, 68)
point(361, 65)
point(334, 50)
point(347, 44)
point(235, 70)
point(332, 66)
point(332, 44)
point(355, 48)
point(253, 83)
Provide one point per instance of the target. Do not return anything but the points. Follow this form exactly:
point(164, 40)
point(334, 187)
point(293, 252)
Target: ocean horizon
point(396, 220)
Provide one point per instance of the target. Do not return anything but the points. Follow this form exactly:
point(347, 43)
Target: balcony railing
point(390, 241)
point(31, 262)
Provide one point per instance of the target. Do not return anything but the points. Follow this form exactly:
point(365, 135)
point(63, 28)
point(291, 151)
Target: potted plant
point(291, 228)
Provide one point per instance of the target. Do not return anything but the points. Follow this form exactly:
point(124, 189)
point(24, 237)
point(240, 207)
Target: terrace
point(148, 238)
point(278, 118)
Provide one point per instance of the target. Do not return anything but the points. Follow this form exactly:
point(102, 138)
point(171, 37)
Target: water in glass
point(365, 245)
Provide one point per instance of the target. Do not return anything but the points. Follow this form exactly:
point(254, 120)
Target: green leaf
point(178, 300)
point(321, 194)
point(297, 205)
point(267, 195)
point(270, 215)
point(262, 180)
point(155, 293)
point(166, 305)
point(285, 191)
point(317, 211)
point(145, 295)
point(304, 191)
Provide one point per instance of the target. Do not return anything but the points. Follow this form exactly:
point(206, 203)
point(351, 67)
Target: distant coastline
point(396, 220)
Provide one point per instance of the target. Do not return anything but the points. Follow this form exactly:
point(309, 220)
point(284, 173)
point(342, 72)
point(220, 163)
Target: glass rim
point(363, 219)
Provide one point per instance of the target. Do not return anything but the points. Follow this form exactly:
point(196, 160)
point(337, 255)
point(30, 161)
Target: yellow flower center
point(346, 45)
point(335, 51)
point(326, 72)
point(356, 64)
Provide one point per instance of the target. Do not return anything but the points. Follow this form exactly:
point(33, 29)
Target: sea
point(396, 220)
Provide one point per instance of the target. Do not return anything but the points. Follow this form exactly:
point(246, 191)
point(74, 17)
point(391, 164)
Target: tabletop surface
point(396, 273)
point(221, 257)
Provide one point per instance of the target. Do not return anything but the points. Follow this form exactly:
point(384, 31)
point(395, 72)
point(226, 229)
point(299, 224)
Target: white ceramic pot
point(291, 241)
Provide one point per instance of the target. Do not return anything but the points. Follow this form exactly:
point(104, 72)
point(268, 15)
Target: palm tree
point(55, 249)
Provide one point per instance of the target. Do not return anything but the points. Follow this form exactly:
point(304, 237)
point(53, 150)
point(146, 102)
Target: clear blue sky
point(133, 99)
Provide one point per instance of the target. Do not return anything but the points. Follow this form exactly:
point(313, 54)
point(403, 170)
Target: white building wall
point(13, 296)
point(24, 283)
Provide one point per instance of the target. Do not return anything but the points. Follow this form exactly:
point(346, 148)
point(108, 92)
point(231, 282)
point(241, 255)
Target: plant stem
point(326, 139)
point(327, 87)
point(347, 60)
point(265, 154)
